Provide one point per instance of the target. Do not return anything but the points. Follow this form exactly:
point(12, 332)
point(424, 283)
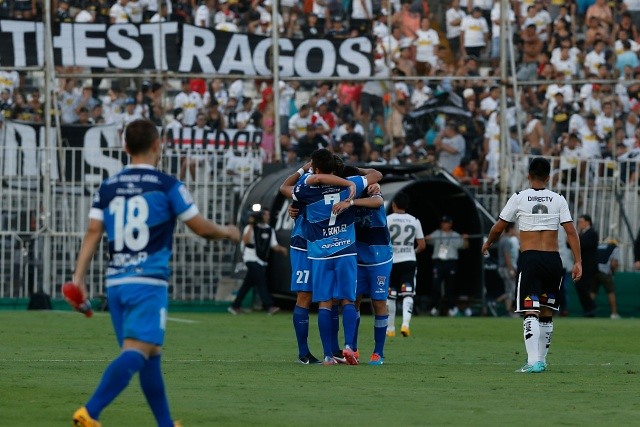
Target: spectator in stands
point(24, 9)
point(216, 92)
point(338, 30)
point(204, 14)
point(183, 11)
point(601, 11)
point(313, 28)
point(214, 118)
point(189, 102)
point(535, 138)
point(310, 142)
point(453, 20)
point(474, 35)
point(83, 117)
point(450, 147)
point(560, 115)
point(531, 49)
point(360, 147)
point(135, 11)
point(69, 102)
point(407, 19)
point(118, 13)
point(361, 16)
point(495, 31)
point(96, 114)
point(62, 12)
point(163, 14)
point(426, 44)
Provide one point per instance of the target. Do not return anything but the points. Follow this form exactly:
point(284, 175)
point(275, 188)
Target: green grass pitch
point(224, 370)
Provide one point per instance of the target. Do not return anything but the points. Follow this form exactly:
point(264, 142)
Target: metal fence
point(43, 220)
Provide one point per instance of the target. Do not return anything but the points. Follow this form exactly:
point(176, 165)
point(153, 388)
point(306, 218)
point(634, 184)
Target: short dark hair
point(539, 168)
point(139, 136)
point(338, 168)
point(587, 218)
point(323, 160)
point(401, 200)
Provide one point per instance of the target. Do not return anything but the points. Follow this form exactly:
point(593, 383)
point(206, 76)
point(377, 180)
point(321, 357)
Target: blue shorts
point(138, 312)
point(373, 280)
point(300, 271)
point(334, 278)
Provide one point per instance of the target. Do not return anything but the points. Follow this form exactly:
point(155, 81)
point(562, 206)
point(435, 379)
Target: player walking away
point(539, 213)
point(375, 258)
point(407, 240)
point(331, 245)
point(138, 208)
point(608, 262)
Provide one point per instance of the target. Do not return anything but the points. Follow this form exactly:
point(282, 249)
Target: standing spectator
point(496, 30)
point(204, 14)
point(589, 255)
point(539, 213)
point(224, 15)
point(312, 28)
point(361, 16)
point(118, 13)
point(189, 102)
point(446, 243)
point(474, 34)
point(531, 49)
point(608, 262)
point(137, 294)
point(157, 10)
point(426, 44)
point(298, 128)
point(259, 240)
point(69, 102)
point(310, 142)
point(453, 19)
point(450, 147)
point(135, 11)
point(407, 240)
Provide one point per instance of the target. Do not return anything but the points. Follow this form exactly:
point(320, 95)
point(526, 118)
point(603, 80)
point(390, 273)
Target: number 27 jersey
point(138, 207)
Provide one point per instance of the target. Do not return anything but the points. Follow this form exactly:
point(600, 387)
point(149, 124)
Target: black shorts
point(539, 279)
point(403, 279)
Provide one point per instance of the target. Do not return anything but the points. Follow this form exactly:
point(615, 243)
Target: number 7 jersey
point(328, 235)
point(404, 230)
point(139, 207)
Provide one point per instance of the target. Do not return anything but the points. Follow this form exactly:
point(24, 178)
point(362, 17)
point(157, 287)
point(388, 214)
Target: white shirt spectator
point(298, 127)
point(236, 89)
point(154, 5)
point(118, 14)
point(134, 10)
point(420, 95)
point(426, 43)
point(9, 80)
point(190, 103)
point(451, 16)
point(604, 124)
point(569, 158)
point(495, 17)
point(69, 102)
point(542, 20)
point(576, 121)
point(635, 46)
point(488, 105)
point(567, 65)
point(202, 17)
point(550, 95)
point(361, 9)
point(593, 60)
point(474, 30)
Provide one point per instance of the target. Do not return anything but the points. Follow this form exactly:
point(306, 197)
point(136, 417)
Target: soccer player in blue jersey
point(138, 208)
point(375, 256)
point(331, 245)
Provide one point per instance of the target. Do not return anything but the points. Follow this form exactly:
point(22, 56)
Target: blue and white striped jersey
point(298, 239)
point(328, 235)
point(139, 207)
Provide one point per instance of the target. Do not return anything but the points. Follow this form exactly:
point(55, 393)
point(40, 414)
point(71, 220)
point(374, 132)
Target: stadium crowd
point(556, 43)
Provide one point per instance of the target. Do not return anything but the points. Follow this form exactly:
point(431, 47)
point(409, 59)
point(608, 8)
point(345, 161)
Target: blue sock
point(355, 334)
point(324, 326)
point(335, 328)
point(349, 323)
point(115, 379)
point(301, 327)
point(380, 333)
point(153, 389)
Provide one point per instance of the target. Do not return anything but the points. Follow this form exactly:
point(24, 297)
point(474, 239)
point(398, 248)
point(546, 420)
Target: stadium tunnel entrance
point(432, 196)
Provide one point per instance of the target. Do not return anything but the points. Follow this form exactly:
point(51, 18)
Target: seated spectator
point(338, 29)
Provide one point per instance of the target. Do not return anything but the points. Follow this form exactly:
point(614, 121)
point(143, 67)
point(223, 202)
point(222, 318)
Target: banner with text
point(171, 46)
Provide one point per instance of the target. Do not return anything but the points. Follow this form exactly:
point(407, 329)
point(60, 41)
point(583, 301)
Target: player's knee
point(303, 299)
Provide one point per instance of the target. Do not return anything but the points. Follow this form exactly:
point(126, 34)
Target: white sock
point(531, 331)
point(407, 309)
point(391, 307)
point(546, 332)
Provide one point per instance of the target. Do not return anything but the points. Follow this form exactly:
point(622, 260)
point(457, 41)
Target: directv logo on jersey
point(332, 231)
point(336, 244)
point(539, 198)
